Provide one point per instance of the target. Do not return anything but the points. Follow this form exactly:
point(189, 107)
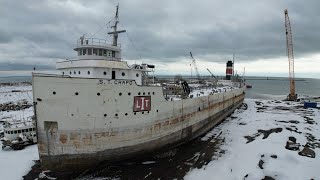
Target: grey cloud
point(163, 31)
point(21, 66)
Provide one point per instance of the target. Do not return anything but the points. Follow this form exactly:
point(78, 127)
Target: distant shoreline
point(277, 79)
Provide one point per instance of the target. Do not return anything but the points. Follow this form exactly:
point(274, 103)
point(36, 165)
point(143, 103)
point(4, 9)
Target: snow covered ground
point(255, 143)
point(15, 93)
point(15, 164)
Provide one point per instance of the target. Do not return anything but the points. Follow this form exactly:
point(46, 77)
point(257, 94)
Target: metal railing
point(74, 60)
point(94, 41)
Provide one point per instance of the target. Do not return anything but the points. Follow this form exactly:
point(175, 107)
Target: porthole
point(105, 115)
point(142, 112)
point(126, 114)
point(144, 93)
point(123, 74)
point(104, 73)
point(153, 93)
point(62, 73)
point(74, 72)
point(54, 92)
point(157, 110)
point(139, 93)
point(98, 94)
point(70, 72)
point(137, 75)
point(148, 93)
point(134, 113)
point(120, 94)
point(71, 114)
point(116, 114)
point(129, 94)
point(148, 112)
point(76, 93)
point(78, 72)
point(88, 72)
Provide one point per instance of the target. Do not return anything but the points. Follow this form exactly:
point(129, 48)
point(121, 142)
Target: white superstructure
point(98, 58)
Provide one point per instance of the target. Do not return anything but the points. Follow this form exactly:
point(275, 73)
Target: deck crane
point(292, 96)
point(215, 78)
point(212, 74)
point(195, 67)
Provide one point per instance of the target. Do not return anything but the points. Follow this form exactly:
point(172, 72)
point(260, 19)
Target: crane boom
point(292, 96)
point(195, 67)
point(212, 74)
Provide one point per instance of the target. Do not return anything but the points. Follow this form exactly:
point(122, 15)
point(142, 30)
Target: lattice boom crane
point(195, 67)
point(292, 96)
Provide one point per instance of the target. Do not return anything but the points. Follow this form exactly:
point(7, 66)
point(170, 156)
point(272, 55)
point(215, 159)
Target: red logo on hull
point(142, 103)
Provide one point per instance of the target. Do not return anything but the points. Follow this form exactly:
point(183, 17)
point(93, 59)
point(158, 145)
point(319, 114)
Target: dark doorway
point(113, 75)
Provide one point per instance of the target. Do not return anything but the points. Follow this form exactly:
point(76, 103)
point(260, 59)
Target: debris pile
point(11, 106)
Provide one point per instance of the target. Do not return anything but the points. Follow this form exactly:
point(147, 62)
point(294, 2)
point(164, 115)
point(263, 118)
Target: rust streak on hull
point(87, 141)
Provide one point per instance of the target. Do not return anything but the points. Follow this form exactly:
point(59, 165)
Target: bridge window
point(100, 52)
point(84, 51)
point(105, 52)
point(113, 54)
point(95, 52)
point(90, 51)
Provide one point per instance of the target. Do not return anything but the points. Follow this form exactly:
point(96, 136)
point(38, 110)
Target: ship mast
point(115, 32)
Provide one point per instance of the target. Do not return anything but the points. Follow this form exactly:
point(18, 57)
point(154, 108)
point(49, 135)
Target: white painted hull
point(83, 121)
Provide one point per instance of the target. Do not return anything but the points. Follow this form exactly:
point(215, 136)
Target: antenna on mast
point(115, 32)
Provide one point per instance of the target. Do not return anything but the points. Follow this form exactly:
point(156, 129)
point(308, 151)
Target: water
point(14, 79)
point(278, 88)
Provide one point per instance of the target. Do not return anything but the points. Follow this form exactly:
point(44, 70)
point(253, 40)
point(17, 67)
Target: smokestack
point(229, 70)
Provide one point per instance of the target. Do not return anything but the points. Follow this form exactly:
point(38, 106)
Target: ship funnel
point(229, 70)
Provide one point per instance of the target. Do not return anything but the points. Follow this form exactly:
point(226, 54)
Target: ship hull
point(82, 145)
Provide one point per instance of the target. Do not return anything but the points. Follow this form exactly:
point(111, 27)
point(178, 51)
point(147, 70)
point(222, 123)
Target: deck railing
point(94, 41)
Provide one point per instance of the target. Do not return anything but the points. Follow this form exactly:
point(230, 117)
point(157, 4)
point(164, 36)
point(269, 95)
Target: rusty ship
point(99, 108)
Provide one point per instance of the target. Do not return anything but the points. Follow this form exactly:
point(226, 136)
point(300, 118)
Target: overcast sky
point(40, 32)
